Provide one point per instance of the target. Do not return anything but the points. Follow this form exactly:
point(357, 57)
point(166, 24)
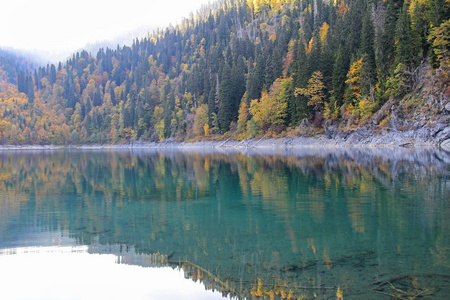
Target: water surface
point(308, 224)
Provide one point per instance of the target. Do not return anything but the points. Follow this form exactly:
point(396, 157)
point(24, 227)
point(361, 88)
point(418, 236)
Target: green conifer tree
point(225, 115)
point(407, 41)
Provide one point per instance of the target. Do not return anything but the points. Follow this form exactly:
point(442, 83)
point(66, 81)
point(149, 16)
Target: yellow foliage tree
point(270, 110)
point(206, 130)
point(4, 128)
point(314, 92)
point(158, 116)
point(242, 117)
point(440, 41)
point(323, 32)
point(310, 45)
point(343, 9)
point(200, 119)
point(354, 81)
point(257, 5)
point(357, 105)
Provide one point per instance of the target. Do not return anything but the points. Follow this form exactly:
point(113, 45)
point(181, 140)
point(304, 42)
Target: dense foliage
point(236, 69)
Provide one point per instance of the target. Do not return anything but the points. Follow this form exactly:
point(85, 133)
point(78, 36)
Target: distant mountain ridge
point(42, 58)
point(121, 40)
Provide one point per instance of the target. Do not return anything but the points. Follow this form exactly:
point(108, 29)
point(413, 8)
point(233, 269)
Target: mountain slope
point(246, 69)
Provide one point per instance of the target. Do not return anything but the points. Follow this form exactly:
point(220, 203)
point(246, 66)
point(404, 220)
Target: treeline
point(11, 64)
point(236, 69)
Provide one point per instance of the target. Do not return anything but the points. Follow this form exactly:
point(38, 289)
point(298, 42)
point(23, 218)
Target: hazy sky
point(73, 273)
point(55, 25)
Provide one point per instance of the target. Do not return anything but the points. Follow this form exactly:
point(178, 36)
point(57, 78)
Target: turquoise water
point(352, 224)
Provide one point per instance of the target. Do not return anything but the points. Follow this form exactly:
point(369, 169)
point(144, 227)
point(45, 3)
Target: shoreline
point(321, 141)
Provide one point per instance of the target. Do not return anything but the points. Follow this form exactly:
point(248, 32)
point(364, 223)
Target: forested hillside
point(236, 69)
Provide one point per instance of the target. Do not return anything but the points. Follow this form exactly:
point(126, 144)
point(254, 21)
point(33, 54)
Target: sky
point(73, 273)
point(67, 26)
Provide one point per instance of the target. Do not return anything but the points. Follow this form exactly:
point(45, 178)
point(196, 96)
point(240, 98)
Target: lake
point(213, 224)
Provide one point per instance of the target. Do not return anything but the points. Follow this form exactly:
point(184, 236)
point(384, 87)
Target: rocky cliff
point(421, 118)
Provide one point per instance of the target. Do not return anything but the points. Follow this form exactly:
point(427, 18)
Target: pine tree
point(340, 70)
point(315, 56)
point(226, 113)
point(97, 101)
point(238, 77)
point(385, 42)
point(260, 71)
point(113, 96)
point(70, 93)
point(211, 104)
point(30, 90)
point(251, 85)
point(407, 46)
point(21, 83)
point(274, 67)
point(367, 43)
point(298, 106)
point(439, 11)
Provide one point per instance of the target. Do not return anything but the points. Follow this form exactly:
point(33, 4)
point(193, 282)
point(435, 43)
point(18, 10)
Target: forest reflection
point(324, 222)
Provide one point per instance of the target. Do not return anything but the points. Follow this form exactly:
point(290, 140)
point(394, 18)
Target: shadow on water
point(330, 223)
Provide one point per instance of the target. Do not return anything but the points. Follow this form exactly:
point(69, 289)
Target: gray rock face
point(331, 132)
point(447, 107)
point(445, 144)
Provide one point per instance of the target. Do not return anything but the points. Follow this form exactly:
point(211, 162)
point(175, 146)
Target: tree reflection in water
point(290, 225)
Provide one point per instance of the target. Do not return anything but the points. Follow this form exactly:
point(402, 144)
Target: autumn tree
point(242, 117)
point(270, 110)
point(4, 128)
point(440, 43)
point(315, 91)
point(353, 93)
point(200, 120)
point(358, 103)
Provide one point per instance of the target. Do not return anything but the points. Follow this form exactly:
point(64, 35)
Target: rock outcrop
point(422, 118)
